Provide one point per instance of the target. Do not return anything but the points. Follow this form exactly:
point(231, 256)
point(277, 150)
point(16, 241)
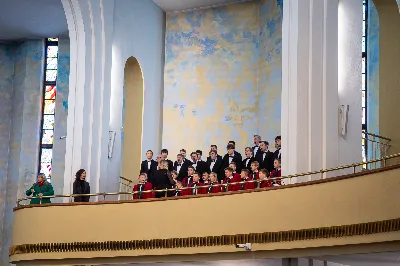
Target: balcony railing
point(284, 180)
point(376, 147)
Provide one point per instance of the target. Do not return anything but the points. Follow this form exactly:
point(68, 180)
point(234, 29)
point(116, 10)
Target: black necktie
point(179, 164)
point(242, 187)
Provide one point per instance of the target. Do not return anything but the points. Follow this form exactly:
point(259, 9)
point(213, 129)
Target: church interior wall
point(21, 93)
point(349, 78)
point(138, 32)
point(389, 75)
point(60, 129)
point(222, 75)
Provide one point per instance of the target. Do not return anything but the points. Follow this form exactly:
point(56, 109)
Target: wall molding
point(369, 228)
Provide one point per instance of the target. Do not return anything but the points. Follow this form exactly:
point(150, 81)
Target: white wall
point(103, 34)
point(139, 32)
point(349, 76)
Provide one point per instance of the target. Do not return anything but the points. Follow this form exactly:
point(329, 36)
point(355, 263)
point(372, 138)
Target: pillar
point(310, 94)
point(90, 25)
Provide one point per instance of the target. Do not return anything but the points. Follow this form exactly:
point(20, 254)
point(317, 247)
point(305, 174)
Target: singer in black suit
point(148, 166)
point(265, 158)
point(181, 167)
point(231, 156)
point(164, 155)
point(214, 164)
point(246, 163)
point(256, 147)
point(277, 153)
point(213, 147)
point(200, 165)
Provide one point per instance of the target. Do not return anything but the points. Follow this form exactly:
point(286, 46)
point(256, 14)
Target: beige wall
point(133, 119)
point(389, 72)
point(337, 203)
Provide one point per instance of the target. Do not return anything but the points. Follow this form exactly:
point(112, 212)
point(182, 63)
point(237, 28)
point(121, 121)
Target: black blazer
point(219, 157)
point(250, 160)
point(144, 168)
point(268, 162)
point(237, 158)
point(201, 167)
point(161, 180)
point(277, 155)
point(255, 154)
point(81, 187)
point(184, 169)
point(217, 168)
point(170, 165)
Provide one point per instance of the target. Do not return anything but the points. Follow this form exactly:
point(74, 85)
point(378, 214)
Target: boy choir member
point(266, 182)
point(148, 166)
point(143, 186)
point(183, 153)
point(276, 172)
point(179, 191)
point(215, 163)
point(201, 165)
point(232, 165)
point(164, 155)
point(181, 167)
point(205, 178)
point(256, 147)
point(194, 188)
point(213, 183)
point(189, 179)
point(254, 174)
point(230, 157)
point(265, 158)
point(244, 176)
point(246, 163)
point(214, 147)
point(277, 153)
point(236, 152)
point(230, 178)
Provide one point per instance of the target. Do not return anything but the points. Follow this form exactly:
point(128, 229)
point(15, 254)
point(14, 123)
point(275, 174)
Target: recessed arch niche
point(132, 118)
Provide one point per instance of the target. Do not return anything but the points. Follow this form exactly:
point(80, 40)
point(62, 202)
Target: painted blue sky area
point(194, 18)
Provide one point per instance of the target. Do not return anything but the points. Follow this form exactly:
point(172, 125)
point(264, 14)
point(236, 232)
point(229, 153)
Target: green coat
point(46, 190)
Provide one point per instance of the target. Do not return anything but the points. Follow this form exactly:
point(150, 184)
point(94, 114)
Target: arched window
point(48, 107)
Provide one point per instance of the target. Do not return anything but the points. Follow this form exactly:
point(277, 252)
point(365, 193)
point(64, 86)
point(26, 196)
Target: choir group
point(260, 167)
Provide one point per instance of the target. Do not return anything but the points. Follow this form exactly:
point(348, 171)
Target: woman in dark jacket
point(81, 186)
point(161, 179)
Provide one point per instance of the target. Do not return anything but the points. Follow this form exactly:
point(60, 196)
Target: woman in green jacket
point(40, 188)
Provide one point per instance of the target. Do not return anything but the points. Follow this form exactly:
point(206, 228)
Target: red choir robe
point(236, 175)
point(246, 186)
point(266, 183)
point(274, 174)
point(234, 179)
point(187, 180)
point(190, 190)
point(143, 187)
point(253, 176)
point(214, 189)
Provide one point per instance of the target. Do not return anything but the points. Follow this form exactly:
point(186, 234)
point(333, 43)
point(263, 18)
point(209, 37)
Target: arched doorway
point(132, 119)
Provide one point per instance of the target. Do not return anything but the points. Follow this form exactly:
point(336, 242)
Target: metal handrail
point(104, 194)
point(375, 135)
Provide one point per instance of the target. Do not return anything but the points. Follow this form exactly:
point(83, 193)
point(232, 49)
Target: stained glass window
point(49, 107)
point(364, 68)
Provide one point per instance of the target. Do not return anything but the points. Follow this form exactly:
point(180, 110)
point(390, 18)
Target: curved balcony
point(322, 217)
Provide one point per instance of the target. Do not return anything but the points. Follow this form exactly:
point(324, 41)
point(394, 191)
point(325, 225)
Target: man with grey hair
point(256, 148)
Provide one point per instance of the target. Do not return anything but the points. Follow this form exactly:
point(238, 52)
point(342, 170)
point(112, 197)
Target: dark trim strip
point(320, 181)
point(222, 240)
